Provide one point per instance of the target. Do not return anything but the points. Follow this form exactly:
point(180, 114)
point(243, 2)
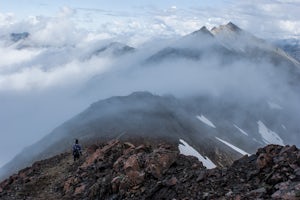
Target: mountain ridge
point(139, 115)
point(123, 170)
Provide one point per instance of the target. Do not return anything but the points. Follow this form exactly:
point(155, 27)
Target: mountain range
point(220, 125)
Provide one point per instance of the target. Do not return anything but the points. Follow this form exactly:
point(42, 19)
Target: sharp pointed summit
point(233, 27)
point(229, 27)
point(204, 31)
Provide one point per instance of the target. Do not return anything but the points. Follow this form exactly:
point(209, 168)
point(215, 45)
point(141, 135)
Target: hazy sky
point(34, 82)
point(267, 18)
point(29, 7)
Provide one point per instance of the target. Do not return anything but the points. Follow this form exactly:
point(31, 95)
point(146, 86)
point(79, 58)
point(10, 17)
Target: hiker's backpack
point(76, 150)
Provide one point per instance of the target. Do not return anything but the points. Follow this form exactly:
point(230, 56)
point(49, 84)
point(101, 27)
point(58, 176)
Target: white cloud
point(34, 77)
point(58, 32)
point(6, 19)
point(10, 58)
point(265, 17)
point(292, 27)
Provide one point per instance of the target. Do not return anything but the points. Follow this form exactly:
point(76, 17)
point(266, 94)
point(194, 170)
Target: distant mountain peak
point(233, 27)
point(203, 31)
point(213, 29)
point(15, 37)
point(116, 48)
point(229, 27)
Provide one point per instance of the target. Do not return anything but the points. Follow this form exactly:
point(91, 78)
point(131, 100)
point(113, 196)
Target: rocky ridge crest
point(123, 170)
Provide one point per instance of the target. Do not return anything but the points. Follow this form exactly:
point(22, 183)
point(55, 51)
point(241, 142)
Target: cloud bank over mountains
point(77, 28)
point(64, 65)
point(267, 19)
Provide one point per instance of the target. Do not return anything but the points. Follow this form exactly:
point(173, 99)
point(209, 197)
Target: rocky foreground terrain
point(122, 170)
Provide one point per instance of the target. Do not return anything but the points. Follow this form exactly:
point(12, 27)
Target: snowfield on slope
point(241, 130)
point(268, 136)
point(187, 150)
point(206, 121)
point(284, 127)
point(274, 106)
point(233, 147)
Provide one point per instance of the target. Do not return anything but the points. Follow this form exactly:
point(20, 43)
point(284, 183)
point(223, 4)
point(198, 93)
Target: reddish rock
point(155, 170)
point(67, 185)
point(91, 149)
point(287, 190)
point(119, 164)
point(141, 148)
point(135, 177)
point(129, 145)
point(172, 181)
point(131, 164)
point(124, 184)
point(288, 149)
point(1, 190)
point(4, 183)
point(159, 161)
point(22, 175)
point(128, 151)
point(263, 160)
point(110, 145)
point(98, 154)
point(79, 190)
point(167, 159)
point(115, 183)
point(197, 165)
point(272, 150)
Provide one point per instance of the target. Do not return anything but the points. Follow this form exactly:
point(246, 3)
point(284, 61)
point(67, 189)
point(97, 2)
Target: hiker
point(76, 150)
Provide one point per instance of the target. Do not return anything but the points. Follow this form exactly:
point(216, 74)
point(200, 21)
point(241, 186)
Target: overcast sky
point(34, 82)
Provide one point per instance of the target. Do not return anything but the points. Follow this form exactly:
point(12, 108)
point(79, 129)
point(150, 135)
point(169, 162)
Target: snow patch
point(284, 127)
point(269, 136)
point(187, 150)
point(275, 106)
point(241, 130)
point(255, 140)
point(233, 147)
point(206, 121)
